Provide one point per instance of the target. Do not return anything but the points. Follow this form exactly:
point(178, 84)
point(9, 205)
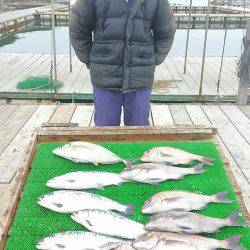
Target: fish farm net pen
point(33, 222)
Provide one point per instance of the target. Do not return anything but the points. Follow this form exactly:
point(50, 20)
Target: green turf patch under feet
point(33, 222)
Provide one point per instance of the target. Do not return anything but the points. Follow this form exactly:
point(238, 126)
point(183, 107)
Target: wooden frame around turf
point(66, 132)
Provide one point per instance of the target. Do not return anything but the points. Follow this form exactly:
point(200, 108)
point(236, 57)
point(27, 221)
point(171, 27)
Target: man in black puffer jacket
point(121, 42)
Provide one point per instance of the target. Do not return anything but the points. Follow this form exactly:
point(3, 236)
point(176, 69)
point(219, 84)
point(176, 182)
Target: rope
point(217, 96)
point(242, 71)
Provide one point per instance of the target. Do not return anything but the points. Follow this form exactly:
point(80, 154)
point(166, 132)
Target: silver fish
point(154, 173)
point(85, 180)
point(174, 156)
point(117, 246)
point(181, 200)
point(76, 241)
point(192, 223)
point(109, 223)
point(86, 152)
point(184, 242)
point(68, 201)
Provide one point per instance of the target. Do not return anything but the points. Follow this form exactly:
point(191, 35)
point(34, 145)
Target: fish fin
point(130, 210)
point(99, 186)
point(198, 169)
point(59, 205)
point(184, 232)
point(71, 181)
point(220, 197)
point(95, 163)
point(75, 160)
point(207, 160)
point(89, 223)
point(123, 181)
point(204, 207)
point(60, 246)
point(233, 243)
point(185, 228)
point(154, 180)
point(234, 220)
point(129, 162)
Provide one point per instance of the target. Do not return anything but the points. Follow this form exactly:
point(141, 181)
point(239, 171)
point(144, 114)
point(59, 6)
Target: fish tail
point(130, 209)
point(207, 160)
point(198, 169)
point(235, 221)
point(129, 162)
point(233, 243)
point(220, 197)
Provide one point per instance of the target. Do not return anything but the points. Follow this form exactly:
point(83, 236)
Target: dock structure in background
point(41, 16)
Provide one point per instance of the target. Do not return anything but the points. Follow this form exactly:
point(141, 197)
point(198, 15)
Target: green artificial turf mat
point(33, 222)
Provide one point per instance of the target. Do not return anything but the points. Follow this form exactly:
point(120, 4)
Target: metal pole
point(54, 43)
point(205, 46)
point(187, 40)
point(70, 48)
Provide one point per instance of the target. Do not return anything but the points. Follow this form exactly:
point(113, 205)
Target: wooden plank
point(83, 115)
point(6, 111)
point(190, 80)
point(236, 144)
point(197, 115)
point(239, 120)
point(126, 133)
point(180, 114)
point(176, 75)
point(12, 126)
point(3, 187)
point(12, 156)
point(9, 200)
point(245, 110)
point(194, 72)
point(199, 118)
point(161, 115)
point(212, 68)
point(63, 113)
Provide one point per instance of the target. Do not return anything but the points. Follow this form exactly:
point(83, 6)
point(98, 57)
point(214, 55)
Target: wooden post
point(205, 46)
point(70, 49)
point(187, 38)
point(53, 33)
point(244, 84)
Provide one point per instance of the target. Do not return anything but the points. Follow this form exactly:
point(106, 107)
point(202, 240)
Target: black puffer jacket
point(127, 41)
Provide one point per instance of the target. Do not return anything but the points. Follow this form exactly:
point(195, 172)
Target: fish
point(109, 223)
point(191, 223)
point(69, 201)
point(174, 156)
point(86, 152)
point(85, 180)
point(76, 240)
point(181, 200)
point(117, 246)
point(154, 173)
point(173, 241)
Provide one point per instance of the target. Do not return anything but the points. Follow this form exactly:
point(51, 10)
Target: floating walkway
point(221, 17)
point(169, 76)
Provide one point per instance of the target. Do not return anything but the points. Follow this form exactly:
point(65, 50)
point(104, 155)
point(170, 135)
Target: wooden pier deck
point(15, 67)
point(18, 122)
